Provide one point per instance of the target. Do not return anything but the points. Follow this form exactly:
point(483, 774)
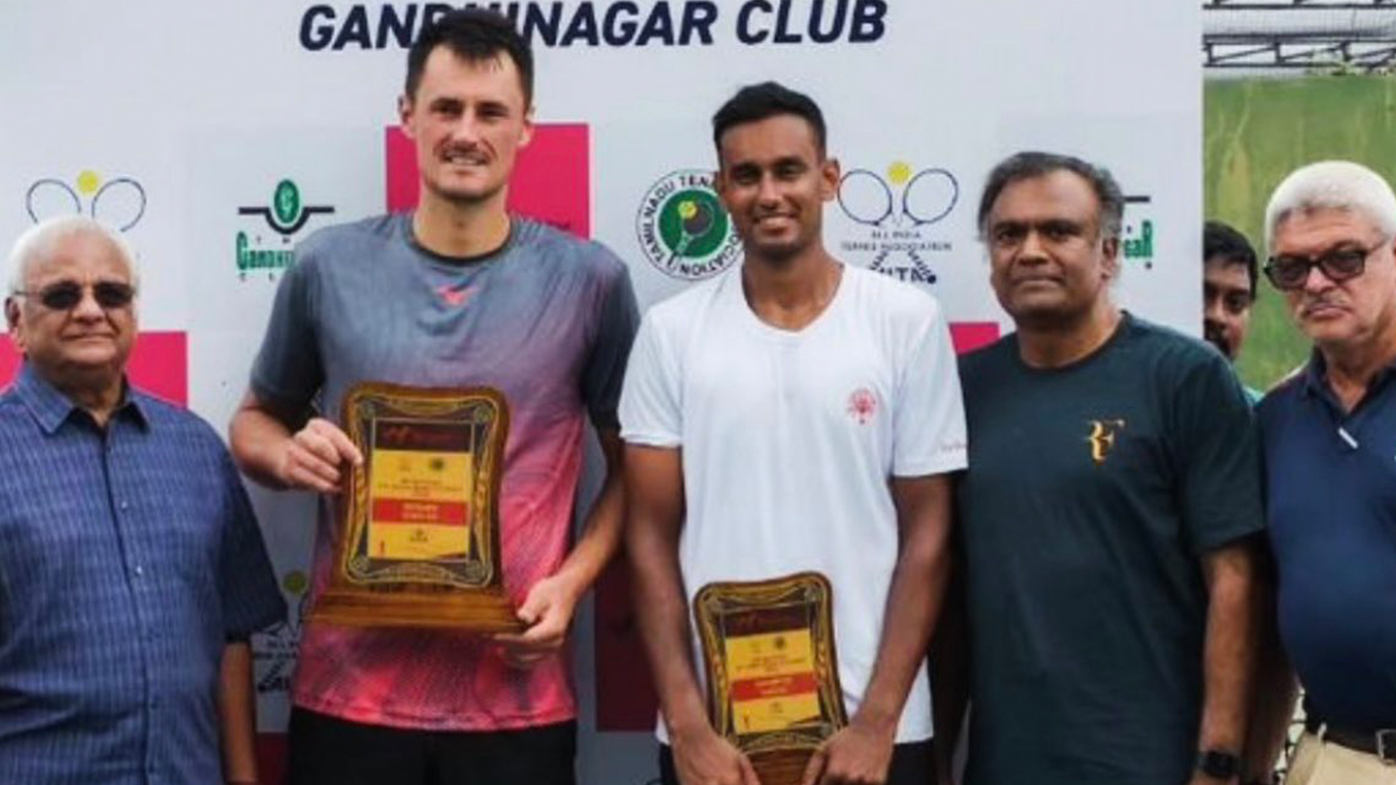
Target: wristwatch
point(1218, 764)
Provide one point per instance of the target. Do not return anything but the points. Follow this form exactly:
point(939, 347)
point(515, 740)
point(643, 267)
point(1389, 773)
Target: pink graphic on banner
point(968, 336)
point(159, 365)
point(625, 697)
point(271, 758)
point(551, 182)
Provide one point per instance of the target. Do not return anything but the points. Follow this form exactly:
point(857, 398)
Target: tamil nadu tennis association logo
point(118, 202)
point(266, 241)
point(896, 210)
point(684, 230)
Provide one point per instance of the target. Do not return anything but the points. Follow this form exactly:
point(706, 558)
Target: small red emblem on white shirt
point(862, 405)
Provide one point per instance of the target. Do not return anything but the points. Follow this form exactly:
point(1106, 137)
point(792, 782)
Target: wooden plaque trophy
point(418, 541)
point(773, 681)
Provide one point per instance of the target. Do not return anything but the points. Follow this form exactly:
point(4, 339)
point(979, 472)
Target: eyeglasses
point(1290, 272)
point(65, 295)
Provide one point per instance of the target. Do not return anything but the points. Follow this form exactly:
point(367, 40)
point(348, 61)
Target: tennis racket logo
point(119, 202)
point(902, 199)
point(895, 209)
point(683, 228)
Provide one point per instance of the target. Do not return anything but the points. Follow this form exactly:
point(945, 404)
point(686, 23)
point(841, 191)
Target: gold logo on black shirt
point(1102, 438)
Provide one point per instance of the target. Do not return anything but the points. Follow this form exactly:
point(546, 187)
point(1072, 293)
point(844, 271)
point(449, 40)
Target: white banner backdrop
point(220, 134)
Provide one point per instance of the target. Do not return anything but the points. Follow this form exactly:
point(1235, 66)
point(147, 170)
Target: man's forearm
point(1272, 712)
point(1274, 688)
point(237, 714)
point(662, 613)
point(257, 440)
point(949, 667)
point(913, 600)
point(1229, 653)
point(601, 533)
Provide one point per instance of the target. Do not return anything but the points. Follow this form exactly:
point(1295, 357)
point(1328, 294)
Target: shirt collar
point(1316, 376)
point(52, 408)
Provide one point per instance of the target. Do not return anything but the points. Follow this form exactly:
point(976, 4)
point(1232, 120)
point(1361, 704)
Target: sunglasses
point(65, 295)
point(1290, 272)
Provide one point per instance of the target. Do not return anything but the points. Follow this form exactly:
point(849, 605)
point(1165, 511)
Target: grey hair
point(36, 244)
point(1332, 185)
point(1031, 164)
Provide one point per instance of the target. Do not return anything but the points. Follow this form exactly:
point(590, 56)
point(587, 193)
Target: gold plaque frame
point(461, 590)
point(803, 601)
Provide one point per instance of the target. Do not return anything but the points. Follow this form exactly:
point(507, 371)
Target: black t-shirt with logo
point(1092, 493)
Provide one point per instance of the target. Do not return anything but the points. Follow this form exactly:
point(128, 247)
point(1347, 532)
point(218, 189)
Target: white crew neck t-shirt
point(789, 439)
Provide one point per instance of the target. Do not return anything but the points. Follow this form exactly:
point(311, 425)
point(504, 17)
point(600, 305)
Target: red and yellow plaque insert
point(418, 543)
point(773, 682)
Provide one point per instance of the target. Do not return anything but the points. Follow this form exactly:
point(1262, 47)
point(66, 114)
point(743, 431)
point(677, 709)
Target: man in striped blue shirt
point(132, 570)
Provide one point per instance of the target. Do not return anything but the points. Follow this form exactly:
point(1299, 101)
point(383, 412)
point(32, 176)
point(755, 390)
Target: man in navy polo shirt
point(1330, 452)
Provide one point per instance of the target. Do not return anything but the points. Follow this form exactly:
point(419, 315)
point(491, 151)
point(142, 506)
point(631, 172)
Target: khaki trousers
point(1319, 762)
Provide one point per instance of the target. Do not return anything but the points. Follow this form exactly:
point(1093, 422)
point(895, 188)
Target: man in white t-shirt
point(794, 414)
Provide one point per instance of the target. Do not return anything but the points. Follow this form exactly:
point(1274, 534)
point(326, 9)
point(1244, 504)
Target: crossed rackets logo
point(920, 199)
point(119, 202)
point(896, 206)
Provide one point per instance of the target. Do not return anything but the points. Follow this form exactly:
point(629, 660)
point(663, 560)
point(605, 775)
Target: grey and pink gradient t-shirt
point(548, 320)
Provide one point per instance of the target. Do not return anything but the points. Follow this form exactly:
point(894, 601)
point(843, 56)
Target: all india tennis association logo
point(683, 229)
point(896, 211)
point(118, 202)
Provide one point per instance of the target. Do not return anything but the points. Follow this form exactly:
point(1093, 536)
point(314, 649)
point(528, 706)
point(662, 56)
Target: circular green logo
point(693, 224)
point(286, 202)
point(683, 229)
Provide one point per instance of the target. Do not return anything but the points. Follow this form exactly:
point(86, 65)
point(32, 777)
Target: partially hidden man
point(794, 414)
point(458, 293)
point(132, 571)
point(1330, 460)
point(1229, 273)
point(1107, 515)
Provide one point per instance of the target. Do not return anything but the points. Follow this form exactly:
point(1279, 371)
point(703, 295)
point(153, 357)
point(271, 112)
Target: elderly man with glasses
point(132, 570)
point(1330, 454)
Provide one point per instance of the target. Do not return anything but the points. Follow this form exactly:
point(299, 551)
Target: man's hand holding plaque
point(419, 539)
point(315, 457)
point(547, 610)
point(857, 753)
point(700, 755)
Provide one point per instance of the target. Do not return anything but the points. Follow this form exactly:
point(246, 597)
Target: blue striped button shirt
point(128, 558)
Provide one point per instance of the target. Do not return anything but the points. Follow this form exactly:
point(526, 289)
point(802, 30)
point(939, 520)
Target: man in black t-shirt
point(1106, 515)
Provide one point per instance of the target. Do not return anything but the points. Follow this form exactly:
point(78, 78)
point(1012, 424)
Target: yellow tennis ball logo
point(88, 181)
point(899, 172)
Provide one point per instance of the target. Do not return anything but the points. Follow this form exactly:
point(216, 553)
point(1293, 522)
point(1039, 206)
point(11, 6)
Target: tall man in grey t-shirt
point(457, 294)
point(1113, 485)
